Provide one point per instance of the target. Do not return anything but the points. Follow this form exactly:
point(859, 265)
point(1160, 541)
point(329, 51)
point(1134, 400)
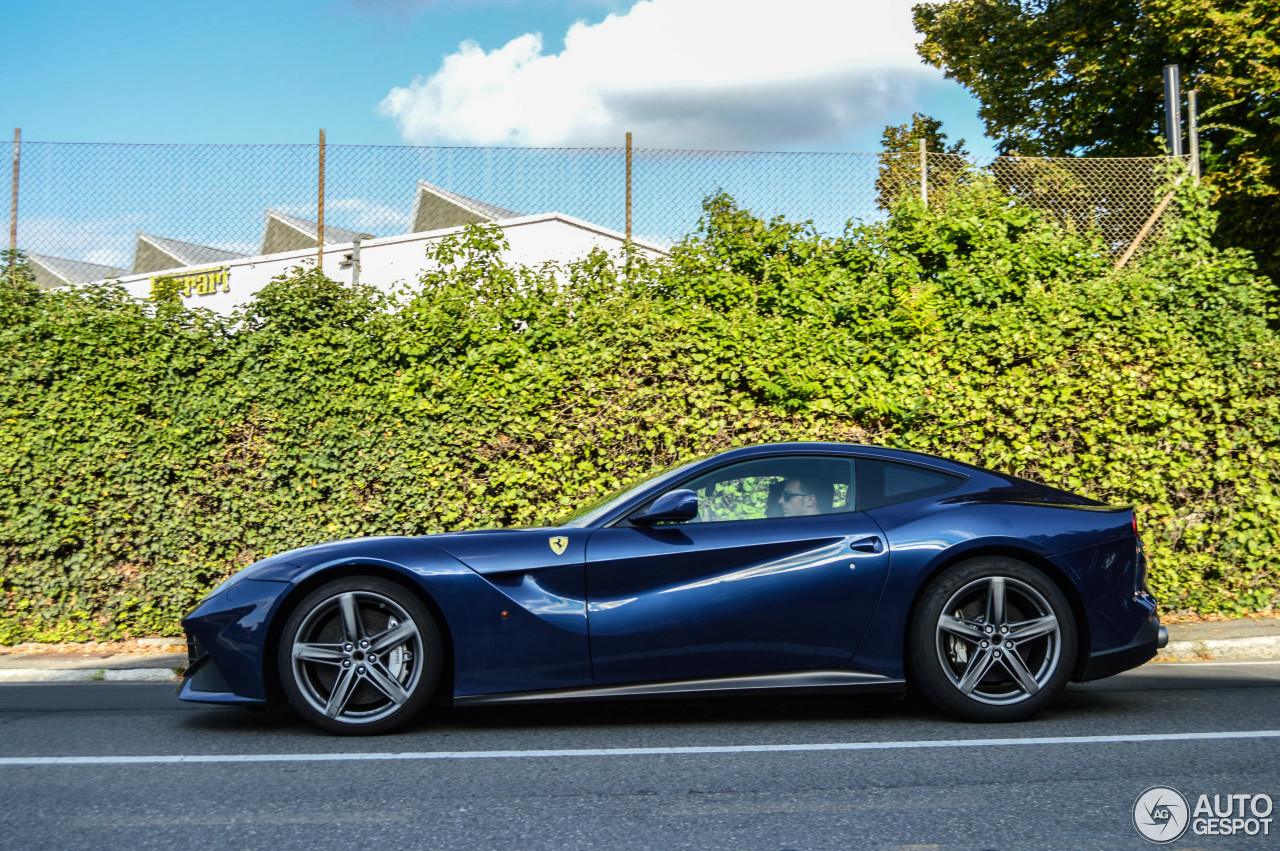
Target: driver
point(803, 495)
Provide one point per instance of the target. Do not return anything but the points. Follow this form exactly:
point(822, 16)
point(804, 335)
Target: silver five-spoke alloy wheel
point(998, 640)
point(359, 655)
point(993, 639)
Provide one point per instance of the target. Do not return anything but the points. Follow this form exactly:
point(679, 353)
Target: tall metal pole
point(924, 174)
point(13, 204)
point(320, 223)
point(1193, 135)
point(628, 186)
point(1173, 109)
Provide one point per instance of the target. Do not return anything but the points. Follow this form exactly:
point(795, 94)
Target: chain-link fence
point(1118, 197)
point(92, 211)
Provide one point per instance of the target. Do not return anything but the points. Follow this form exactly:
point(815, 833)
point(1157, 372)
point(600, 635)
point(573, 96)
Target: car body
point(780, 568)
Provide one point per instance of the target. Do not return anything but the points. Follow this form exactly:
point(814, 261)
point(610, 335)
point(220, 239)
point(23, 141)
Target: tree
point(900, 162)
point(1062, 77)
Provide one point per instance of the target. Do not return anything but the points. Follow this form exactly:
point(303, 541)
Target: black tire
point(360, 656)
point(993, 639)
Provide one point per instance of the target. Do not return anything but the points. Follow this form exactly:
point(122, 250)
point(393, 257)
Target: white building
point(156, 253)
point(282, 232)
point(51, 272)
point(386, 261)
point(435, 208)
point(222, 280)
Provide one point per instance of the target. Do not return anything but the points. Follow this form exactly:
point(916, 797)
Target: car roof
point(861, 450)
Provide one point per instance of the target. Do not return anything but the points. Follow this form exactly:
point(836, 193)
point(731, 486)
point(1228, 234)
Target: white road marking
point(672, 751)
point(1204, 663)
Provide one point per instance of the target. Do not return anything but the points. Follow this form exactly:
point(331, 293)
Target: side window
point(883, 483)
point(774, 487)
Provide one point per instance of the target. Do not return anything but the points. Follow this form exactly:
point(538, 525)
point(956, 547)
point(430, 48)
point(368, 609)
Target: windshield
point(589, 512)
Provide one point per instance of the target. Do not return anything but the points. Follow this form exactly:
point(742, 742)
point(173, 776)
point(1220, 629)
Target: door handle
point(871, 545)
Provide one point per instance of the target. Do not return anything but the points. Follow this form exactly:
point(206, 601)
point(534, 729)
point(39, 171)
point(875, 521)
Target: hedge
point(150, 450)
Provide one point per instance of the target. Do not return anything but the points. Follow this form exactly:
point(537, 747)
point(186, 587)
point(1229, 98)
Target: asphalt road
point(129, 766)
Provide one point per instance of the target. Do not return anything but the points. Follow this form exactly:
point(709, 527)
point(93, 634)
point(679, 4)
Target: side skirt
point(784, 683)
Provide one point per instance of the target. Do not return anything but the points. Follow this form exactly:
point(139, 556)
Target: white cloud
point(365, 215)
point(753, 74)
point(106, 240)
point(359, 214)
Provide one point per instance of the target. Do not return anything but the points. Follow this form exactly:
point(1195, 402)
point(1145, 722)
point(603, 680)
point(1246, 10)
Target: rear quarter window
point(882, 483)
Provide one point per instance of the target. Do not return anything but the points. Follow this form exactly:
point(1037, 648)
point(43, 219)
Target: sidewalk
point(144, 660)
point(154, 660)
point(1240, 640)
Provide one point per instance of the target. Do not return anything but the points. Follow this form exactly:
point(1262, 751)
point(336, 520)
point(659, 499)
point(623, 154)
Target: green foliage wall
point(148, 451)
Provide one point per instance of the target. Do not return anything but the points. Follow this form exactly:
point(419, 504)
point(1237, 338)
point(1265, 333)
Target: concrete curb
point(141, 661)
point(1257, 649)
point(88, 675)
point(1254, 639)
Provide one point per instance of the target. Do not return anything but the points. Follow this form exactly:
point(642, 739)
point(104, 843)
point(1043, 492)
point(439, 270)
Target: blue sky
point(718, 74)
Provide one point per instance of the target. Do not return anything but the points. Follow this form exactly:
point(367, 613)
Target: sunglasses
point(790, 495)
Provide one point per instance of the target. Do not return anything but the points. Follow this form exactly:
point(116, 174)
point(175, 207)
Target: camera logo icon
point(1161, 814)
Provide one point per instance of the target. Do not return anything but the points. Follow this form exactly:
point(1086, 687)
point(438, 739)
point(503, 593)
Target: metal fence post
point(1193, 135)
point(1173, 108)
point(13, 205)
point(924, 175)
point(320, 223)
point(628, 186)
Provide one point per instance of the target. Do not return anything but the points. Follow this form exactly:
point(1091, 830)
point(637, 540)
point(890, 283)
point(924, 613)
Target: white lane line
point(1205, 663)
point(674, 751)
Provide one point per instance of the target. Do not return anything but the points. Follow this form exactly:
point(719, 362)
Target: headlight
point(264, 566)
point(226, 583)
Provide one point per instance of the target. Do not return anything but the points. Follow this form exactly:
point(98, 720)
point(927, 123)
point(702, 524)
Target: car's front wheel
point(993, 639)
point(359, 656)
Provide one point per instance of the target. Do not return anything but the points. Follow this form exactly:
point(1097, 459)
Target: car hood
point(514, 549)
point(479, 549)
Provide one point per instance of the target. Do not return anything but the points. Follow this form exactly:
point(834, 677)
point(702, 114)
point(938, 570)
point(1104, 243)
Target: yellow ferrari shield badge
point(558, 545)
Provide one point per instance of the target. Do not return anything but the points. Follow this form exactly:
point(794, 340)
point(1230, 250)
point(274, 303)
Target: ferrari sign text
point(203, 282)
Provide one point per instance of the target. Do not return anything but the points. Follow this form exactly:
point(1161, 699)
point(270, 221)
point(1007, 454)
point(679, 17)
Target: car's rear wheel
point(359, 656)
point(993, 639)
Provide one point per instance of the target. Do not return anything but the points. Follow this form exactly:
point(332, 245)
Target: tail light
point(1140, 559)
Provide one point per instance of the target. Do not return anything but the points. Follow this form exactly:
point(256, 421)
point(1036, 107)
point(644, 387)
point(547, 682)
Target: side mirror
point(673, 506)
